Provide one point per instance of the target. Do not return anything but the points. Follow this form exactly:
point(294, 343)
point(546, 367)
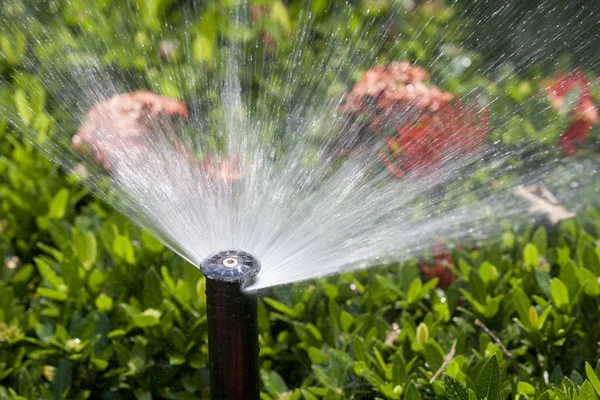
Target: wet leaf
point(150, 243)
point(489, 384)
point(454, 389)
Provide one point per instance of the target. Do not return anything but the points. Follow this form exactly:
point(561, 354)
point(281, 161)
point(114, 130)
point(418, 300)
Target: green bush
point(93, 307)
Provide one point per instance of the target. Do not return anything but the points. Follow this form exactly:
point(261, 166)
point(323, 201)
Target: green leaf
point(568, 276)
point(314, 331)
point(56, 254)
point(203, 49)
point(412, 393)
point(100, 364)
point(87, 249)
point(560, 294)
point(492, 305)
point(58, 205)
point(151, 293)
point(398, 370)
point(37, 96)
point(52, 294)
point(273, 383)
point(540, 240)
point(592, 377)
point(454, 389)
point(543, 280)
point(488, 383)
point(534, 319)
point(346, 320)
point(280, 307)
point(23, 108)
point(146, 319)
point(124, 249)
point(525, 388)
point(116, 333)
point(96, 280)
point(434, 355)
point(49, 275)
point(589, 282)
point(587, 392)
point(360, 350)
point(521, 303)
point(530, 256)
point(422, 333)
point(545, 396)
point(316, 355)
point(414, 292)
point(176, 359)
point(590, 259)
point(487, 272)
point(104, 303)
point(362, 370)
point(62, 380)
point(150, 243)
point(280, 14)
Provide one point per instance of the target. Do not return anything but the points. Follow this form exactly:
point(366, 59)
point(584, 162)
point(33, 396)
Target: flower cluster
point(428, 125)
point(393, 88)
point(123, 122)
point(582, 110)
point(126, 124)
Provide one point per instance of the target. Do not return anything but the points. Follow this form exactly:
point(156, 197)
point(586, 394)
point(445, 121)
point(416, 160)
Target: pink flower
point(124, 121)
point(397, 86)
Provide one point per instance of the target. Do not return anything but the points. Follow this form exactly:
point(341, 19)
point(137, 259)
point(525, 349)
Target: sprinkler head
point(233, 266)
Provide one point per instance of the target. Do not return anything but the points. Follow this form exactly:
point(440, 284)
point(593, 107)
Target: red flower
point(454, 131)
point(584, 109)
point(442, 260)
point(428, 127)
point(576, 134)
point(584, 113)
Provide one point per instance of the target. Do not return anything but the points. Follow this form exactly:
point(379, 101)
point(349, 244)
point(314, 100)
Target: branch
point(447, 360)
point(497, 340)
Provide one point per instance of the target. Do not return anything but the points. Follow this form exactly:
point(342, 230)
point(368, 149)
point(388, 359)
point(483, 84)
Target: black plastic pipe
point(232, 326)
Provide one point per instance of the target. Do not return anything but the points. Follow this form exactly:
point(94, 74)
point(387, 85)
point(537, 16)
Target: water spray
point(232, 325)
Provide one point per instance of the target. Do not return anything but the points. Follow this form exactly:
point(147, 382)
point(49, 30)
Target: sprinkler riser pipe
point(232, 342)
point(232, 317)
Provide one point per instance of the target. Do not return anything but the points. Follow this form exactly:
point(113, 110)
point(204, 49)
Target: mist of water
point(261, 162)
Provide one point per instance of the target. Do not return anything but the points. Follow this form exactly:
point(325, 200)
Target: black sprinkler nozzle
point(232, 325)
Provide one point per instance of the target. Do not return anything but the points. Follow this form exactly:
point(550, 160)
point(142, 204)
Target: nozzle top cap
point(231, 266)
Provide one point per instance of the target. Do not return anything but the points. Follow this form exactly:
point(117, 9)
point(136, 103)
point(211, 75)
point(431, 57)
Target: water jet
point(232, 325)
